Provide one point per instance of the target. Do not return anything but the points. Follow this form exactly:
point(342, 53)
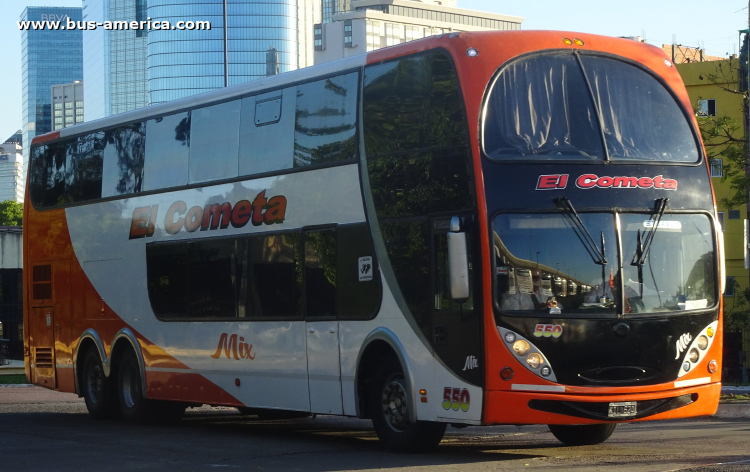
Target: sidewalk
point(12, 368)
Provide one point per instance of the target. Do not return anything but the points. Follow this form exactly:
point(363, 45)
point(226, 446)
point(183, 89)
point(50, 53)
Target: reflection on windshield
point(678, 272)
point(542, 264)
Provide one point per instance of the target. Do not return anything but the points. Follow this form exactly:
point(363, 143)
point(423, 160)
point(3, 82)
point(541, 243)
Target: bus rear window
point(584, 107)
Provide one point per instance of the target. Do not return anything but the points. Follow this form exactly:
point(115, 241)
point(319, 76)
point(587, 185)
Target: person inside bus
point(513, 299)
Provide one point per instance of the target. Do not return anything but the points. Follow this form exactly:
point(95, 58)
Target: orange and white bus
point(473, 228)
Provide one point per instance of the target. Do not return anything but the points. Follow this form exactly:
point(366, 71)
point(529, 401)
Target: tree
point(11, 213)
point(724, 137)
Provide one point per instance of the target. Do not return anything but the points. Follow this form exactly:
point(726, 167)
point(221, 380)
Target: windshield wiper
point(643, 244)
point(597, 255)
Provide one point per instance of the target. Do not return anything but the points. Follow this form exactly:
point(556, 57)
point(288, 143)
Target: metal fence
point(736, 365)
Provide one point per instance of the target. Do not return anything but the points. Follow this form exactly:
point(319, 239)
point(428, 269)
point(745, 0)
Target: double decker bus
point(469, 229)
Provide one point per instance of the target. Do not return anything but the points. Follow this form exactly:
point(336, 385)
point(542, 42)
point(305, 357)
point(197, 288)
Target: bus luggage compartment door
point(43, 341)
point(323, 370)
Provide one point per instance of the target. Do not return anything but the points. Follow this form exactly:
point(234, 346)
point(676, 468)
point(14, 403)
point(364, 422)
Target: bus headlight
point(534, 360)
point(525, 352)
point(702, 342)
point(693, 355)
point(521, 347)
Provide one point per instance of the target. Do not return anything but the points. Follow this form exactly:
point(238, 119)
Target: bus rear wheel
point(389, 407)
point(98, 390)
point(134, 406)
point(582, 435)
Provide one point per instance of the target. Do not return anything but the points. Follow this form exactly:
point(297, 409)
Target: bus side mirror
point(458, 261)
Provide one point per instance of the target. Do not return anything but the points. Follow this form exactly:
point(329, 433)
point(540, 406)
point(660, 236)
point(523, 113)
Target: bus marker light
point(667, 62)
point(506, 373)
point(510, 337)
point(713, 366)
point(546, 371)
point(471, 52)
point(534, 360)
point(521, 347)
point(567, 41)
point(578, 42)
point(710, 332)
point(686, 366)
point(423, 392)
point(237, 382)
point(423, 399)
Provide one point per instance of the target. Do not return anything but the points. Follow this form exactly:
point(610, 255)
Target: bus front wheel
point(582, 435)
point(98, 390)
point(389, 407)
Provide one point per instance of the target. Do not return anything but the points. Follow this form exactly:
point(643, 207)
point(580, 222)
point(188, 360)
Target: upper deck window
point(582, 107)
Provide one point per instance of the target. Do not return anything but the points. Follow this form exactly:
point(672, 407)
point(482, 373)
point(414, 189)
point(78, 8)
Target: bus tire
point(389, 407)
point(135, 408)
point(98, 390)
point(582, 435)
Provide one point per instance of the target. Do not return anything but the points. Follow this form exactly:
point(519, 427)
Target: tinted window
point(123, 160)
point(210, 287)
point(408, 249)
point(83, 167)
point(271, 278)
point(167, 279)
point(326, 121)
point(214, 142)
point(167, 151)
point(357, 273)
point(541, 107)
point(420, 183)
point(641, 118)
point(267, 147)
point(413, 103)
point(320, 273)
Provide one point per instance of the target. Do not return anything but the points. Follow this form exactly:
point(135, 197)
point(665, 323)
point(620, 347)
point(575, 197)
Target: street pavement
point(46, 430)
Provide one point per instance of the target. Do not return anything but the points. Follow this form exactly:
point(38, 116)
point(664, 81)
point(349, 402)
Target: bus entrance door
point(41, 324)
point(323, 368)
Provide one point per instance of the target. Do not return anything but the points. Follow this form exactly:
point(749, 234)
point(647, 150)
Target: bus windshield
point(584, 107)
point(543, 263)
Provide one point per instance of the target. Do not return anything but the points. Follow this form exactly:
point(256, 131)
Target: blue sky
point(712, 25)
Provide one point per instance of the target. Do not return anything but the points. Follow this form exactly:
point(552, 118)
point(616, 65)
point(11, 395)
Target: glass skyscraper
point(260, 38)
point(115, 62)
point(49, 57)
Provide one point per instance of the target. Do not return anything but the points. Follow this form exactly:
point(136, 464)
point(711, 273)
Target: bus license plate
point(622, 409)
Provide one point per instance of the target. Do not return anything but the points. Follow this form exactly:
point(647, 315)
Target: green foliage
point(11, 213)
point(736, 314)
point(724, 137)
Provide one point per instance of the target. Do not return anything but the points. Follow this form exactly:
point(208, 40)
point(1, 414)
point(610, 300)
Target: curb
point(733, 410)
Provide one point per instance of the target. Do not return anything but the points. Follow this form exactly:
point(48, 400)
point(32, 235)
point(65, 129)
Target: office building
point(374, 24)
point(49, 57)
point(115, 67)
point(67, 105)
point(247, 40)
point(11, 171)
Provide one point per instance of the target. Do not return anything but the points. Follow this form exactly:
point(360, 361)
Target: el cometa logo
point(211, 217)
point(586, 181)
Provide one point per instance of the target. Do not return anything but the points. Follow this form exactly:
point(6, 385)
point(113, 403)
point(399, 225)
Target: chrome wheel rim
point(130, 389)
point(394, 403)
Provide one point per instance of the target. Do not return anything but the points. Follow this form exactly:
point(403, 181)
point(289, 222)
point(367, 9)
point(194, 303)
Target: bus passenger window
point(320, 273)
point(357, 273)
point(123, 160)
point(167, 151)
point(326, 121)
point(267, 147)
point(271, 278)
point(166, 271)
point(83, 168)
point(210, 287)
point(214, 147)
